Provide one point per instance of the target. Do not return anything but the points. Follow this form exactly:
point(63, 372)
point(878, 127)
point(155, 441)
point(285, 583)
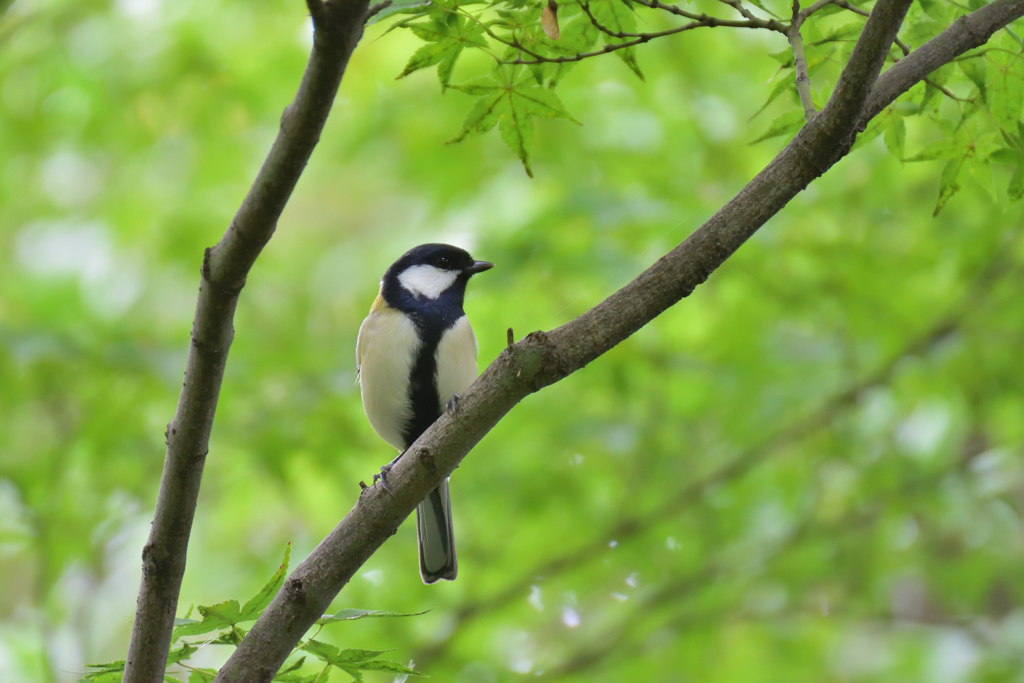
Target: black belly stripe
point(423, 392)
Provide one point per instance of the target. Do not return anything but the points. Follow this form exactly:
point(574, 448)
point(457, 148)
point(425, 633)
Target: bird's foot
point(452, 406)
point(383, 477)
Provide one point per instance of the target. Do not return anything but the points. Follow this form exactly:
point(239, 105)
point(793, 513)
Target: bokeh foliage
point(809, 470)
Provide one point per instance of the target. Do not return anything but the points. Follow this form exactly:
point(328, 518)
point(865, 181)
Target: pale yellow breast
point(385, 352)
point(456, 360)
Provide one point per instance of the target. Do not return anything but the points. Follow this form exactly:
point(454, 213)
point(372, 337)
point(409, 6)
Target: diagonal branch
point(338, 27)
point(544, 358)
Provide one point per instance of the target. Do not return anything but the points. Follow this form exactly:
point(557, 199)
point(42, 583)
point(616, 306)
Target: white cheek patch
point(427, 281)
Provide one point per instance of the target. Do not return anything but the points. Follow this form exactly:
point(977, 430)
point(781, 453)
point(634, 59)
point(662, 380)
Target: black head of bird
point(430, 276)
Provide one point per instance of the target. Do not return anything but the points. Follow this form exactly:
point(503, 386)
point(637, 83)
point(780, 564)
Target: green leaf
point(1007, 155)
point(481, 85)
point(981, 171)
point(939, 149)
point(759, 5)
point(257, 603)
point(482, 116)
point(975, 70)
point(540, 102)
point(948, 185)
point(842, 32)
point(895, 135)
point(332, 655)
point(1015, 190)
point(577, 35)
point(873, 130)
point(427, 55)
point(784, 84)
point(116, 665)
point(513, 108)
point(788, 123)
point(935, 9)
point(171, 679)
point(616, 16)
point(215, 617)
point(446, 40)
point(111, 672)
point(1006, 100)
point(388, 665)
point(294, 666)
point(183, 652)
point(202, 675)
point(353, 614)
point(103, 677)
point(783, 57)
point(516, 127)
point(628, 56)
point(433, 31)
point(416, 7)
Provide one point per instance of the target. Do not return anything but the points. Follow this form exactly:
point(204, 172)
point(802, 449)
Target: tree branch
point(338, 27)
point(803, 81)
point(544, 358)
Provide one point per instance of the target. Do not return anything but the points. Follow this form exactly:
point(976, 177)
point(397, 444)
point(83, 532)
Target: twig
point(375, 9)
point(803, 81)
point(223, 273)
point(585, 6)
point(822, 4)
point(542, 359)
point(738, 6)
point(698, 21)
point(752, 22)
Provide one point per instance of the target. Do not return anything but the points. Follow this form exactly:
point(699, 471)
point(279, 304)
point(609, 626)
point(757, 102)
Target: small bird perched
point(415, 354)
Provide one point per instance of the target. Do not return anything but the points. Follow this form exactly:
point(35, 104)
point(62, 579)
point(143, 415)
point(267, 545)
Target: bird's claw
point(383, 477)
point(452, 406)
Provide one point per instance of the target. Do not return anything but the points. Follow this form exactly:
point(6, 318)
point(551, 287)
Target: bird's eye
point(444, 262)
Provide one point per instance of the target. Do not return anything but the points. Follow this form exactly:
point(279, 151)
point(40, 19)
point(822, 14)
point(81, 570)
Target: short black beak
point(478, 267)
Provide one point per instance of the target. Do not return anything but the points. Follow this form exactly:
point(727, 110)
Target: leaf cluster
point(967, 114)
point(219, 625)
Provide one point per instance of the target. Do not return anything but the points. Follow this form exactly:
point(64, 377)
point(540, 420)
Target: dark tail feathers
point(435, 538)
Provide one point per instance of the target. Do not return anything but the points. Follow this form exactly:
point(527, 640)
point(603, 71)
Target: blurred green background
point(810, 470)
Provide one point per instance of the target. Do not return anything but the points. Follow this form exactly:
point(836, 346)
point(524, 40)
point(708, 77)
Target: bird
point(415, 355)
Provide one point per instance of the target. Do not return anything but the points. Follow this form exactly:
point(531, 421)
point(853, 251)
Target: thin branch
point(585, 6)
point(373, 10)
point(803, 81)
point(822, 4)
point(611, 47)
point(770, 24)
point(338, 27)
point(542, 358)
point(738, 6)
point(698, 21)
